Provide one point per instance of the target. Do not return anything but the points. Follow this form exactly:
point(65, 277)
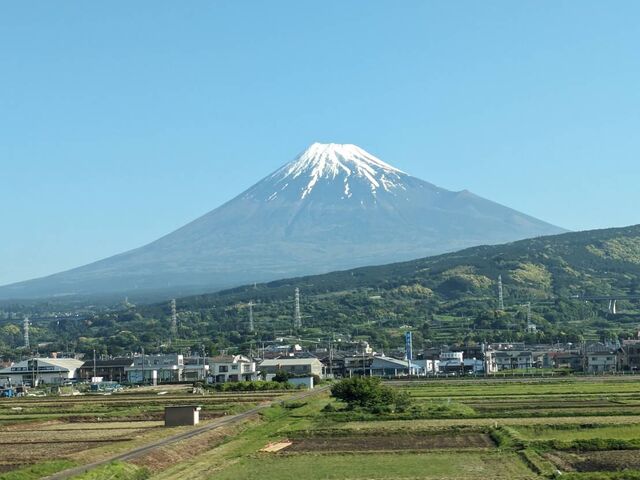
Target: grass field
point(586, 428)
point(461, 466)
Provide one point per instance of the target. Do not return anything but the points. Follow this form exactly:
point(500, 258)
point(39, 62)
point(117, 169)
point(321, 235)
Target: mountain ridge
point(296, 221)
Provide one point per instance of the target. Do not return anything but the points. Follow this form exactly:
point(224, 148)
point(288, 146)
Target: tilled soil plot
point(45, 451)
point(390, 443)
point(601, 461)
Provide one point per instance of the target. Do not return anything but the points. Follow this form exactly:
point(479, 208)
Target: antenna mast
point(25, 324)
point(174, 319)
point(297, 317)
point(500, 294)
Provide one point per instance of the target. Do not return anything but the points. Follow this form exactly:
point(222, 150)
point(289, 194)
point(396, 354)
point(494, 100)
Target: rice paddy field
point(58, 432)
point(570, 428)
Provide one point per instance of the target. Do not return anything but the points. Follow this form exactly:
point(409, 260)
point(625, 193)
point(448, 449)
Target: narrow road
point(139, 451)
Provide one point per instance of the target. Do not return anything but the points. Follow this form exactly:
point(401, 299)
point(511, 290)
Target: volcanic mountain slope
point(333, 207)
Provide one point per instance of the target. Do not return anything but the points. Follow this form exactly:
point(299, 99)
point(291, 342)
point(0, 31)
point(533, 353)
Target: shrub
point(329, 407)
point(368, 393)
point(281, 376)
point(249, 386)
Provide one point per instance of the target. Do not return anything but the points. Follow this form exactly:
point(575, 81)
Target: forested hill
point(589, 263)
point(566, 279)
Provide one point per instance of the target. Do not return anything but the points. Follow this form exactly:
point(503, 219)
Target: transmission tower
point(251, 325)
point(531, 327)
point(500, 294)
point(174, 319)
point(25, 324)
point(297, 317)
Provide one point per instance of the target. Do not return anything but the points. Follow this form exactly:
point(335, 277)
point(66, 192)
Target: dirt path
point(139, 451)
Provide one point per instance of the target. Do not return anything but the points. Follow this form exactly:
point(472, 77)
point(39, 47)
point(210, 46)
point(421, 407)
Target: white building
point(451, 356)
point(36, 371)
point(429, 367)
point(231, 368)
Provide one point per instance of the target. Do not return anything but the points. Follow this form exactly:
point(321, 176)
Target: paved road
point(139, 451)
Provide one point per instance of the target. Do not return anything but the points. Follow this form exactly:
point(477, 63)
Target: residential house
point(629, 356)
point(570, 360)
point(512, 360)
point(601, 362)
point(232, 368)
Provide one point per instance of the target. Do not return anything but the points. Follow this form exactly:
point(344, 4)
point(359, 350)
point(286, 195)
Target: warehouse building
point(293, 366)
point(37, 371)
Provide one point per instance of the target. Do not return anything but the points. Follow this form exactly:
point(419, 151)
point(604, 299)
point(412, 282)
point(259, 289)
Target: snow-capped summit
point(346, 165)
point(333, 207)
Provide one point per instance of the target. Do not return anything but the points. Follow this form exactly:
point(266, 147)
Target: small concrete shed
point(180, 416)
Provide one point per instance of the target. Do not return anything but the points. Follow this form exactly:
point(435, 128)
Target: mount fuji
point(333, 207)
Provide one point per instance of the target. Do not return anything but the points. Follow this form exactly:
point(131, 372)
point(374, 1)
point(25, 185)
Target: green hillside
point(568, 279)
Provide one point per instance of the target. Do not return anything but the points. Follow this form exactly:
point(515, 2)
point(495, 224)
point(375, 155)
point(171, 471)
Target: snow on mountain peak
point(330, 160)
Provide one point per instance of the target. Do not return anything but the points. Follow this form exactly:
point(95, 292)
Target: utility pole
point(330, 358)
point(408, 347)
point(297, 316)
point(94, 363)
point(500, 294)
point(204, 364)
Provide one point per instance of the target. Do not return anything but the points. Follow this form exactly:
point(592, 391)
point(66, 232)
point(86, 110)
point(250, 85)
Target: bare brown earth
point(390, 443)
point(604, 460)
point(29, 443)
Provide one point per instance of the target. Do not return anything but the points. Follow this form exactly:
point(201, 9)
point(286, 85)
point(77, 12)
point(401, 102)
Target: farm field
point(79, 429)
point(585, 428)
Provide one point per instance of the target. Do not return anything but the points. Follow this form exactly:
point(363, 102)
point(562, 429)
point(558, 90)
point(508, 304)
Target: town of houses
point(356, 358)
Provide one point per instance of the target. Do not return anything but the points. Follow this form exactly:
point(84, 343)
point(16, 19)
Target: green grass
point(115, 471)
point(534, 387)
point(460, 466)
point(580, 432)
point(38, 470)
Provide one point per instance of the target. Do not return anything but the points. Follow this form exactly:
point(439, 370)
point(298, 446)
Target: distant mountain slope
point(333, 207)
point(569, 266)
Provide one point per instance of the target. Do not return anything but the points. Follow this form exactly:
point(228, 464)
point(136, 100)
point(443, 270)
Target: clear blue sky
point(121, 121)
